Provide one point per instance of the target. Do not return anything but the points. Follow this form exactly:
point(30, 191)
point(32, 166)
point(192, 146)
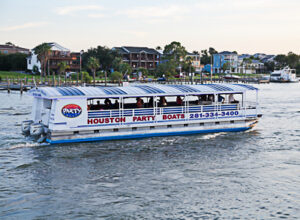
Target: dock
point(26, 84)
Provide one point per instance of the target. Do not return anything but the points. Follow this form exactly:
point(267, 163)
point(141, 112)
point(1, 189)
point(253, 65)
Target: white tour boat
point(77, 114)
point(284, 75)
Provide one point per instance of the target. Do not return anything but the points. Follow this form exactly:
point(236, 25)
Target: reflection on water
point(245, 175)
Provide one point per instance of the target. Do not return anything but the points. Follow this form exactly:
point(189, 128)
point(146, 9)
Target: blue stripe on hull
point(148, 135)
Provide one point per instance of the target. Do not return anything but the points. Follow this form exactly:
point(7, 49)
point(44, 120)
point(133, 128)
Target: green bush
point(9, 62)
point(35, 70)
point(100, 74)
point(74, 76)
point(86, 77)
point(116, 76)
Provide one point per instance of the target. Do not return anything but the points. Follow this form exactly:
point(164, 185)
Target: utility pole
point(211, 67)
point(81, 52)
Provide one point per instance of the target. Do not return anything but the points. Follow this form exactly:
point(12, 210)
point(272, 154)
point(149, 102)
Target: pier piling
point(8, 85)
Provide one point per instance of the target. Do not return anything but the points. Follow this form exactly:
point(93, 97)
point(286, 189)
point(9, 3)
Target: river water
point(246, 175)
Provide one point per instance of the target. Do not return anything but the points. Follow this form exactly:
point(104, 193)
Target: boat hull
point(142, 132)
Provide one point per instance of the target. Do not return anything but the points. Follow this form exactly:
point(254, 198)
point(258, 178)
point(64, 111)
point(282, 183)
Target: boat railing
point(171, 110)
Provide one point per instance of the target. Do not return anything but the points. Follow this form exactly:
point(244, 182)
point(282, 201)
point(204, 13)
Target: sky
point(245, 26)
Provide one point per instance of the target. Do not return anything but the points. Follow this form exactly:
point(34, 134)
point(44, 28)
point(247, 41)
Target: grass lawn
point(5, 74)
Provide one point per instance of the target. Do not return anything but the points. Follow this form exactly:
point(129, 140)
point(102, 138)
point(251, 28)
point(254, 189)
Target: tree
point(105, 54)
point(116, 76)
point(292, 59)
point(62, 67)
point(125, 68)
point(167, 68)
point(13, 62)
point(158, 48)
point(93, 64)
point(187, 65)
point(116, 63)
point(212, 51)
point(225, 66)
point(298, 68)
point(205, 58)
point(43, 52)
point(175, 51)
point(270, 66)
point(281, 60)
point(84, 76)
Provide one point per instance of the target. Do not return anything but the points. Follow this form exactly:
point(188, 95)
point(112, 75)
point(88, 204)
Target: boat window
point(47, 103)
point(138, 102)
point(233, 98)
point(161, 101)
point(103, 104)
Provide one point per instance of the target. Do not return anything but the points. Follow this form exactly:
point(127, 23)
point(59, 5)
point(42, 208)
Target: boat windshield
point(275, 74)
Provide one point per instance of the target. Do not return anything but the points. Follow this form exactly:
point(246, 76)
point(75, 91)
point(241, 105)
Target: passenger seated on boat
point(116, 105)
point(231, 99)
point(162, 102)
point(150, 103)
point(178, 100)
point(204, 100)
point(211, 98)
point(221, 98)
point(139, 103)
point(203, 97)
point(107, 103)
point(97, 106)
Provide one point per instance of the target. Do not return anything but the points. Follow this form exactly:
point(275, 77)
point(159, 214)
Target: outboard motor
point(26, 127)
point(36, 129)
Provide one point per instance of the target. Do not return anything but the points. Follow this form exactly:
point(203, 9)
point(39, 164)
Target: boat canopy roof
point(138, 90)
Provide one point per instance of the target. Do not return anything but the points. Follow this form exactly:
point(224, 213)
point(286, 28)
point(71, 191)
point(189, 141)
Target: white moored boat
point(285, 75)
point(77, 114)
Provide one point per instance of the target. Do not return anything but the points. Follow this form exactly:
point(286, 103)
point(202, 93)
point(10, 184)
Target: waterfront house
point(10, 48)
point(137, 57)
point(195, 61)
point(225, 57)
point(251, 67)
point(57, 55)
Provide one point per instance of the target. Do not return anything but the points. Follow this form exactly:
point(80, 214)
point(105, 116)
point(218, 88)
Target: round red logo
point(71, 110)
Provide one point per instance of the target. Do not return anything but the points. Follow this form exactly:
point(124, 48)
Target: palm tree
point(62, 66)
point(93, 64)
point(43, 52)
point(189, 62)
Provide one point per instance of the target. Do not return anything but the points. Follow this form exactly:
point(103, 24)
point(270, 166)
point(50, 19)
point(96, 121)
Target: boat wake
point(27, 145)
point(210, 136)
